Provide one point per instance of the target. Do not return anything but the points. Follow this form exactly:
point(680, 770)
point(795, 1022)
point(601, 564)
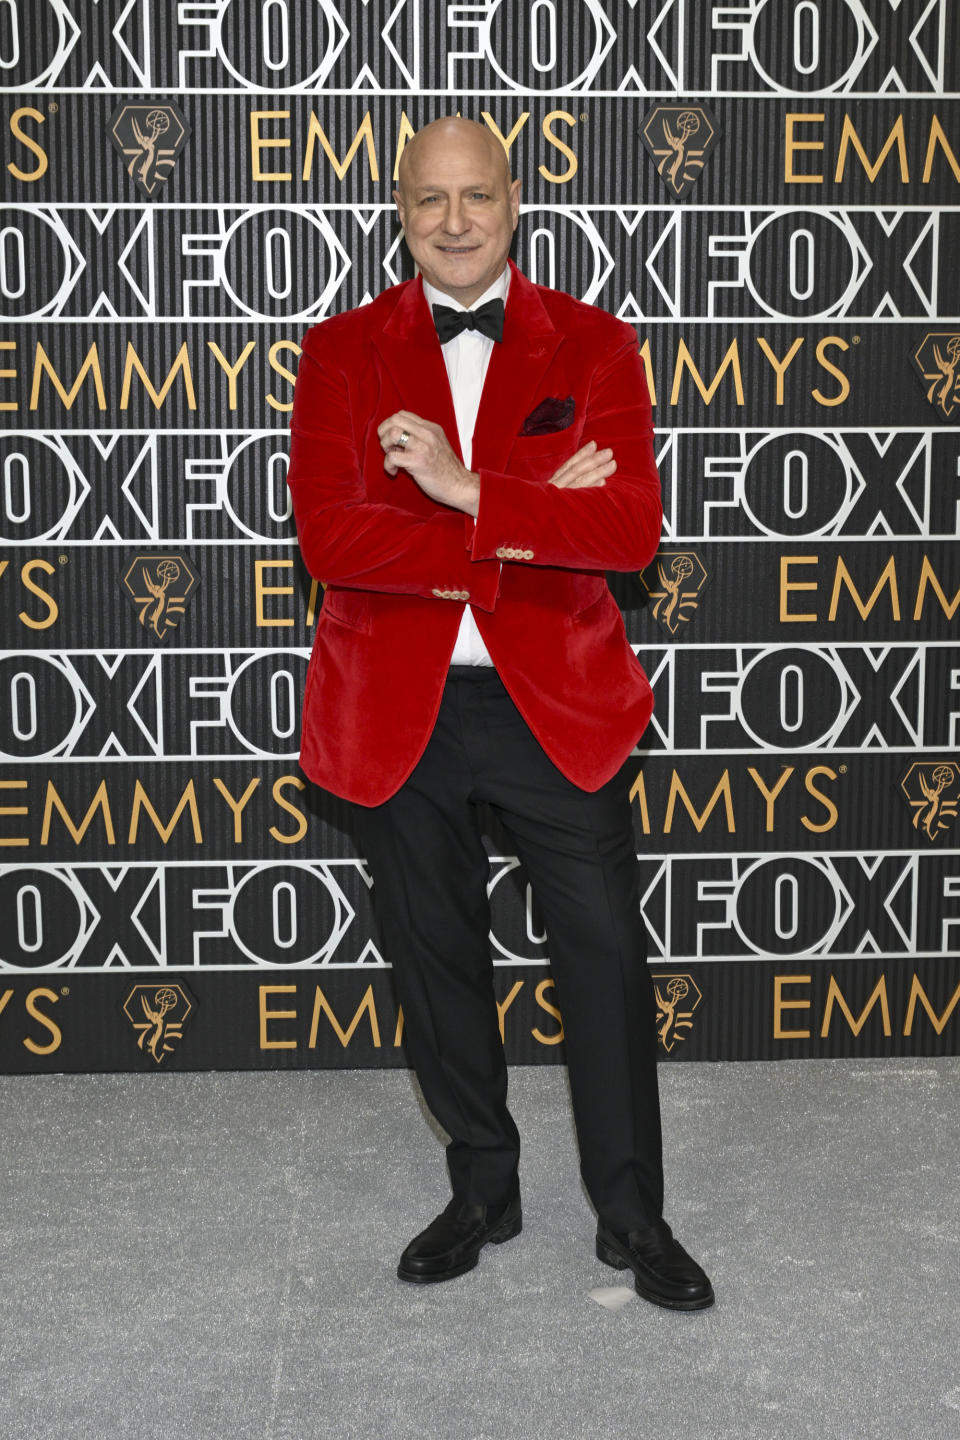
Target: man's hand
point(588, 467)
point(428, 458)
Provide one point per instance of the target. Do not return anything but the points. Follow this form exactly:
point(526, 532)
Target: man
point(462, 492)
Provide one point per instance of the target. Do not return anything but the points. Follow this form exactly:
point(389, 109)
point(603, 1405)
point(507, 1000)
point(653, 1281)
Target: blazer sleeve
point(347, 539)
point(615, 526)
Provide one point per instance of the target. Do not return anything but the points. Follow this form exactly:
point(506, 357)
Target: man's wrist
point(470, 502)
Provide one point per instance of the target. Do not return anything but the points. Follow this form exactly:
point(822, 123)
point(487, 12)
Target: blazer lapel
point(530, 341)
point(411, 352)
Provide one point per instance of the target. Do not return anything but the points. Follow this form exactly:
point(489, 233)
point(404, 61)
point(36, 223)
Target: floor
point(214, 1256)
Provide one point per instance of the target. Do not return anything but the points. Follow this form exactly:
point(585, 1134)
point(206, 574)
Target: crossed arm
point(599, 510)
point(428, 458)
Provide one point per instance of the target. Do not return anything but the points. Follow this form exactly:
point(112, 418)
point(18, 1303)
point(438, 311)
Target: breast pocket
point(543, 454)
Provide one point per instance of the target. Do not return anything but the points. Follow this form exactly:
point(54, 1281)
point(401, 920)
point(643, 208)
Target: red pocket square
point(549, 416)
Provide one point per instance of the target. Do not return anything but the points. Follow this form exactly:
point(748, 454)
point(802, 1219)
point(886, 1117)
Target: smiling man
point(454, 226)
point(470, 453)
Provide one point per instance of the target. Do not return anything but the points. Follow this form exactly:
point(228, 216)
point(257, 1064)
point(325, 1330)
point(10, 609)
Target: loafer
point(663, 1271)
point(451, 1243)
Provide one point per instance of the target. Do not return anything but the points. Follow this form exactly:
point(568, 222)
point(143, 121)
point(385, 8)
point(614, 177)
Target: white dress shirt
point(466, 357)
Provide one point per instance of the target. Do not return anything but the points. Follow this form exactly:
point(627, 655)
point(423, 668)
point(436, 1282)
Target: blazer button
point(528, 554)
point(464, 595)
point(438, 593)
point(501, 552)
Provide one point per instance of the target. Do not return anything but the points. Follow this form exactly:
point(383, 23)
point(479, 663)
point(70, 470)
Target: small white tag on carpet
point(613, 1297)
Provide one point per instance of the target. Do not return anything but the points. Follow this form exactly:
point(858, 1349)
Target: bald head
point(451, 133)
point(458, 206)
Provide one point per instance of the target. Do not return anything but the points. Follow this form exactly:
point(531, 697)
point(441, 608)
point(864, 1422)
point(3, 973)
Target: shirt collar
point(497, 291)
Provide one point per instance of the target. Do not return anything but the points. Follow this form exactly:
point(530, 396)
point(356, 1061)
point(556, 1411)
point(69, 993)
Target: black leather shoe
point(663, 1271)
point(451, 1244)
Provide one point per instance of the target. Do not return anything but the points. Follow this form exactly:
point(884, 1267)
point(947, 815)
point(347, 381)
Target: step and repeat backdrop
point(769, 190)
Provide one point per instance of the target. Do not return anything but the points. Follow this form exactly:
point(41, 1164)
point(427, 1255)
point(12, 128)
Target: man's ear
point(514, 194)
point(398, 201)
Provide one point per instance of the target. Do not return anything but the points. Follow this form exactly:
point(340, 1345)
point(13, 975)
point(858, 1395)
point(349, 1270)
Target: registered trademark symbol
point(53, 107)
point(856, 339)
point(62, 559)
point(584, 115)
point(843, 769)
point(65, 990)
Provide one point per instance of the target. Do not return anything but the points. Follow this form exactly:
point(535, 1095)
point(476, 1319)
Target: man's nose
point(456, 220)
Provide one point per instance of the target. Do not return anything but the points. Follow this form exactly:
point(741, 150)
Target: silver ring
point(404, 440)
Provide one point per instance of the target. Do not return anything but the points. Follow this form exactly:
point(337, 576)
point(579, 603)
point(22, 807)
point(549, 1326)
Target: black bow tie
point(488, 319)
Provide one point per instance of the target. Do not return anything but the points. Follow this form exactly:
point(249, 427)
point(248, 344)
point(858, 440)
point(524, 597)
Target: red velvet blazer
point(532, 565)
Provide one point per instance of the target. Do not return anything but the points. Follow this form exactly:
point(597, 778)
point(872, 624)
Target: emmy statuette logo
point(150, 138)
point(159, 586)
point(158, 1013)
point(677, 997)
point(680, 139)
point(675, 587)
point(932, 789)
point(937, 359)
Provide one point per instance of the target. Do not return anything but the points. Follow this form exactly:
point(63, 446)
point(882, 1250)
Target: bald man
point(470, 454)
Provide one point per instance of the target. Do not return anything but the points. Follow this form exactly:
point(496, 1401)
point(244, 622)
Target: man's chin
point(458, 272)
point(455, 278)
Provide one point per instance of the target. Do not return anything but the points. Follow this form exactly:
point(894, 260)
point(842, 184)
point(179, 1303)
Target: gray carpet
point(213, 1256)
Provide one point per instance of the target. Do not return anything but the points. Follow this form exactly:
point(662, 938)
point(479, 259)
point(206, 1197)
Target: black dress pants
point(430, 872)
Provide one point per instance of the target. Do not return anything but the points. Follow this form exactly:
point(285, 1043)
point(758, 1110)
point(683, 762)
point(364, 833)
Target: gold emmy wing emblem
point(150, 138)
point(680, 139)
point(932, 788)
point(159, 586)
point(158, 1013)
point(677, 997)
point(937, 359)
point(676, 586)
